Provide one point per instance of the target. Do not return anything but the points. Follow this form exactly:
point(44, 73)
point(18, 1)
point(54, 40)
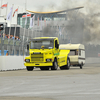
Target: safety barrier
point(17, 62)
point(11, 63)
point(92, 60)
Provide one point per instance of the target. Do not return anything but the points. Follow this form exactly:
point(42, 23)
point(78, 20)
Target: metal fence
point(9, 46)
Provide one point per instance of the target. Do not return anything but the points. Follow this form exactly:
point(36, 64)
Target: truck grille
point(37, 57)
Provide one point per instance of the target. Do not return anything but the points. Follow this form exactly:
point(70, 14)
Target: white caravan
point(76, 55)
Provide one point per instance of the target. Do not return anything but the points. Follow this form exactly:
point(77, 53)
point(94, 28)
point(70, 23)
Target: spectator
point(17, 37)
point(7, 53)
point(3, 34)
point(8, 35)
point(12, 37)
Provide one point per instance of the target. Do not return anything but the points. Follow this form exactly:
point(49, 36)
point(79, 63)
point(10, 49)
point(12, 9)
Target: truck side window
point(56, 44)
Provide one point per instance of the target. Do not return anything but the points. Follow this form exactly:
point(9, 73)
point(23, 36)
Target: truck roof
point(44, 37)
point(71, 46)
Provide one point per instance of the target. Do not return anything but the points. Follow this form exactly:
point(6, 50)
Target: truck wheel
point(68, 64)
point(55, 65)
point(30, 68)
point(62, 68)
point(44, 68)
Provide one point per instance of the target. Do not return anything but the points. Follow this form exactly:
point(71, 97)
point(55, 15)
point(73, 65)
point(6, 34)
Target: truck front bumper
point(38, 64)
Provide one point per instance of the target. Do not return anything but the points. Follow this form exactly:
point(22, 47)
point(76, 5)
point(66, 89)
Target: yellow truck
point(44, 53)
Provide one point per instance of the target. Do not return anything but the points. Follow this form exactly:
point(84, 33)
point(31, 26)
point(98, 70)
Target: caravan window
point(80, 52)
point(73, 52)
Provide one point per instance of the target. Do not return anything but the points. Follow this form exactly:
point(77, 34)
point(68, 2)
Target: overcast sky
point(36, 5)
point(49, 5)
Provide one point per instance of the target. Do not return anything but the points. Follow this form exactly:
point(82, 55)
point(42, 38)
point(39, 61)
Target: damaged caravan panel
point(76, 55)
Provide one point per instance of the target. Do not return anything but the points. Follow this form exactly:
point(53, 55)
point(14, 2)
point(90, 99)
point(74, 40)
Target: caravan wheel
point(81, 65)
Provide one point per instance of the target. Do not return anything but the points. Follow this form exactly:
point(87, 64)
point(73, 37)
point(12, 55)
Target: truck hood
point(35, 51)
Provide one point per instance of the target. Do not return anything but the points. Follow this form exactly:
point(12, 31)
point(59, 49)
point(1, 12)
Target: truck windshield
point(46, 44)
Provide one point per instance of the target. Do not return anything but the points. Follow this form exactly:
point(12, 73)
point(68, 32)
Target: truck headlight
point(27, 60)
point(48, 59)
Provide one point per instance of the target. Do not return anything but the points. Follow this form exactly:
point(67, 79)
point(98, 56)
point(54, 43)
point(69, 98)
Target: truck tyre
point(62, 68)
point(29, 68)
point(55, 65)
point(68, 64)
point(44, 68)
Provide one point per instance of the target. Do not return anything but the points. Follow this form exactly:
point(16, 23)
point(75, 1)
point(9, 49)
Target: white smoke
point(83, 23)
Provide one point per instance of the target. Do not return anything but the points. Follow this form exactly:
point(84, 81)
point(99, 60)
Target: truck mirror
point(27, 46)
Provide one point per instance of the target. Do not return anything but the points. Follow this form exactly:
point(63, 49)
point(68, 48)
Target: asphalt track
point(73, 84)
